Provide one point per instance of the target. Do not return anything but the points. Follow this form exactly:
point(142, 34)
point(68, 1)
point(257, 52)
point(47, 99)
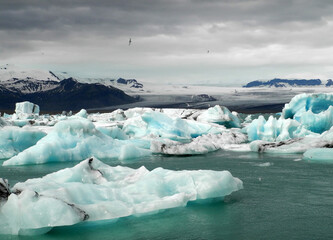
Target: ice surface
point(320, 154)
point(93, 191)
point(200, 145)
point(220, 115)
point(75, 139)
point(83, 113)
point(14, 140)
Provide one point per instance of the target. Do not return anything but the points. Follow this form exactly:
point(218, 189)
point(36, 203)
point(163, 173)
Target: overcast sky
point(178, 41)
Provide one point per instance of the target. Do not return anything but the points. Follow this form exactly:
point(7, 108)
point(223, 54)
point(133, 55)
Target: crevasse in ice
point(93, 191)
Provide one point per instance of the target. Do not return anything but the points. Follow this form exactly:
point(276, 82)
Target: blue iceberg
point(14, 140)
point(93, 191)
point(76, 139)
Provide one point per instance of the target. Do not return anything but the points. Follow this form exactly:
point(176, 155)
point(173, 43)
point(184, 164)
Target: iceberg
point(14, 140)
point(275, 129)
point(159, 125)
point(220, 115)
point(313, 111)
point(93, 191)
point(82, 113)
point(304, 102)
point(200, 145)
point(320, 154)
point(76, 139)
point(26, 110)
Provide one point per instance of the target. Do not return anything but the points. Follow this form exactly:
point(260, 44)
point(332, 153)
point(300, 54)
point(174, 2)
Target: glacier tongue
point(92, 191)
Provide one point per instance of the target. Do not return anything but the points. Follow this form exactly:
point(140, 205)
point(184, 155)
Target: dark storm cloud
point(234, 29)
point(164, 15)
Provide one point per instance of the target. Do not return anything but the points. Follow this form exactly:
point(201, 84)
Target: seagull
point(129, 42)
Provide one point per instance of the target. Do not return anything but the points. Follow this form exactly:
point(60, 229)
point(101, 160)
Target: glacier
point(94, 191)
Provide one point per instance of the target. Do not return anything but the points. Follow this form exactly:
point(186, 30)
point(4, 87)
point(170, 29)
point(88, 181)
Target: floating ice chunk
point(83, 113)
point(313, 111)
point(266, 164)
point(156, 124)
point(320, 154)
point(302, 103)
point(220, 115)
point(275, 129)
point(73, 140)
point(14, 140)
point(295, 145)
point(200, 145)
point(93, 191)
point(26, 110)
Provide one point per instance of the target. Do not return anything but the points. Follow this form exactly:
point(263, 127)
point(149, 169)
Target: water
point(283, 198)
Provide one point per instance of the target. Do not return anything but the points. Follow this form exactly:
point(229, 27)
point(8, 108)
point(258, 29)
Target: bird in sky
point(130, 42)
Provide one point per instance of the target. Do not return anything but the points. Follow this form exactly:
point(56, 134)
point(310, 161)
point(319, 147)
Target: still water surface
point(283, 198)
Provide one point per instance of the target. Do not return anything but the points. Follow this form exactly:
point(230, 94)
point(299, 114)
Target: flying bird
point(129, 42)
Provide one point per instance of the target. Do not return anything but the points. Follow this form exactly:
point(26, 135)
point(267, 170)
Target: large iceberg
point(313, 111)
point(93, 191)
point(159, 125)
point(75, 139)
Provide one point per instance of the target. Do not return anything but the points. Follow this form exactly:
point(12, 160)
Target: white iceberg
point(26, 110)
point(220, 115)
point(200, 145)
point(93, 191)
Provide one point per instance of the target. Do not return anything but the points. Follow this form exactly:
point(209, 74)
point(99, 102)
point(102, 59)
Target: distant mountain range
point(52, 93)
point(278, 82)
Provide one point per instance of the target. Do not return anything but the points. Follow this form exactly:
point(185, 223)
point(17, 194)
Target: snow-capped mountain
point(52, 93)
point(127, 85)
point(27, 81)
point(278, 82)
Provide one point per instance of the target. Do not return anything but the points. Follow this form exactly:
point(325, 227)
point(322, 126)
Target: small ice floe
point(266, 164)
